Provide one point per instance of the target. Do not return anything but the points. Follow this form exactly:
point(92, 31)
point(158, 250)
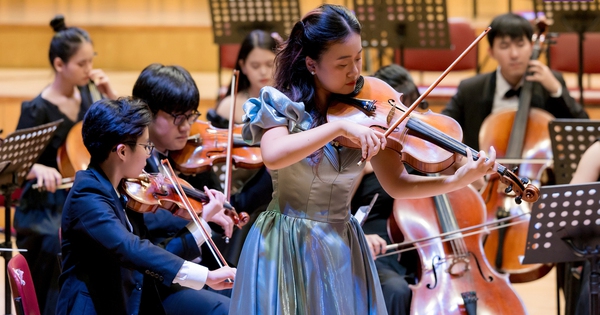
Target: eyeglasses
point(179, 119)
point(148, 146)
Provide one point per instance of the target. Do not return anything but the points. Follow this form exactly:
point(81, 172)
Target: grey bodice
point(320, 193)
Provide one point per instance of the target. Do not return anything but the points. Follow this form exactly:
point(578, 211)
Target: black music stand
point(565, 227)
point(570, 138)
point(18, 152)
point(234, 19)
point(572, 17)
point(415, 24)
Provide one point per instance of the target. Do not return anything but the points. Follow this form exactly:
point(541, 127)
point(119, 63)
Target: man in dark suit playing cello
point(511, 46)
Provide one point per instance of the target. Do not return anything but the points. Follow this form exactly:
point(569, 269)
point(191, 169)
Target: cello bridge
point(458, 266)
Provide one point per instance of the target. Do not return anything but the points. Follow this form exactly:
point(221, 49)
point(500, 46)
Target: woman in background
point(252, 188)
point(255, 62)
point(68, 97)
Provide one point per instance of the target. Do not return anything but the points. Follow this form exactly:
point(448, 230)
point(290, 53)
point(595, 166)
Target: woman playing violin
point(306, 254)
point(68, 97)
point(173, 97)
point(109, 265)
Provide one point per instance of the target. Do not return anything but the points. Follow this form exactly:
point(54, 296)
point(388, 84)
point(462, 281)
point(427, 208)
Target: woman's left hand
point(474, 170)
point(101, 81)
point(213, 211)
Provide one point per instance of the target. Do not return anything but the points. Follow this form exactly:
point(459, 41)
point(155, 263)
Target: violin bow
point(396, 246)
point(168, 170)
point(436, 82)
point(229, 161)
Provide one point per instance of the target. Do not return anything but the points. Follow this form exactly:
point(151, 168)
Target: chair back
point(228, 54)
point(564, 54)
point(21, 285)
point(461, 36)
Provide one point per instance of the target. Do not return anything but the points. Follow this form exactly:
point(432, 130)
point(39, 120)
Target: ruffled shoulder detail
point(272, 109)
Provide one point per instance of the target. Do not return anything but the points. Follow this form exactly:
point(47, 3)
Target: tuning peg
point(518, 200)
point(525, 180)
point(508, 189)
point(515, 169)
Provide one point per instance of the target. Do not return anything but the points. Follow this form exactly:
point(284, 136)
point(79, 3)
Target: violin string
point(447, 142)
point(220, 260)
point(485, 226)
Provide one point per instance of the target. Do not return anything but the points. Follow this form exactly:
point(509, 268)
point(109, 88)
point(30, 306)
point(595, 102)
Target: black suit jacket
point(106, 266)
point(473, 102)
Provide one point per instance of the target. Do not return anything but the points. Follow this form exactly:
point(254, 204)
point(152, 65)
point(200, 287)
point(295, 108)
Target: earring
point(312, 72)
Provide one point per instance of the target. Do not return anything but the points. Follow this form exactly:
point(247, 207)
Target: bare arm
point(399, 184)
point(588, 169)
point(279, 148)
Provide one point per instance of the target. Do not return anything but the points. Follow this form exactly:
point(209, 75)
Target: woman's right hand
point(102, 82)
point(216, 279)
point(377, 245)
point(369, 140)
point(47, 177)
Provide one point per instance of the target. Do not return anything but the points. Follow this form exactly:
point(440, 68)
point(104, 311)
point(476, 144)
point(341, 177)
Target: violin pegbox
point(522, 187)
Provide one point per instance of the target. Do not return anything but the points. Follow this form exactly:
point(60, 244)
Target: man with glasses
point(173, 97)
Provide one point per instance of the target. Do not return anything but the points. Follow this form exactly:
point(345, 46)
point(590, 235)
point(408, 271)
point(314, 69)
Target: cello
point(520, 134)
point(454, 276)
point(72, 156)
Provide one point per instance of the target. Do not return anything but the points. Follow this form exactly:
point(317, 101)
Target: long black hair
point(66, 40)
point(311, 37)
point(256, 39)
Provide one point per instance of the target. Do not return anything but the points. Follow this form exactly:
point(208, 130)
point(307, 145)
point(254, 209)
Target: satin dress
point(306, 254)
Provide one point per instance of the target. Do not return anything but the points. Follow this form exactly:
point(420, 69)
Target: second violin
point(207, 145)
point(150, 192)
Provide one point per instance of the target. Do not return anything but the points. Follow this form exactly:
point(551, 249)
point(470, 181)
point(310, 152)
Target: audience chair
point(564, 53)
point(461, 36)
point(228, 54)
point(21, 285)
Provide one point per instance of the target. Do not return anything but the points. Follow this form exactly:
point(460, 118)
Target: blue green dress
point(306, 254)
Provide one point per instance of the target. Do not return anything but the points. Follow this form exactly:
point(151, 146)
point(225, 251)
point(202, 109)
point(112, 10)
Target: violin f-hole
point(392, 111)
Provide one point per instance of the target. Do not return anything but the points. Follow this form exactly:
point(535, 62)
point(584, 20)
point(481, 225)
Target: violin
point(454, 276)
point(516, 134)
point(152, 191)
point(207, 145)
point(428, 142)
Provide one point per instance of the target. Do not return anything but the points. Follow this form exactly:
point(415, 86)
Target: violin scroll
point(522, 187)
